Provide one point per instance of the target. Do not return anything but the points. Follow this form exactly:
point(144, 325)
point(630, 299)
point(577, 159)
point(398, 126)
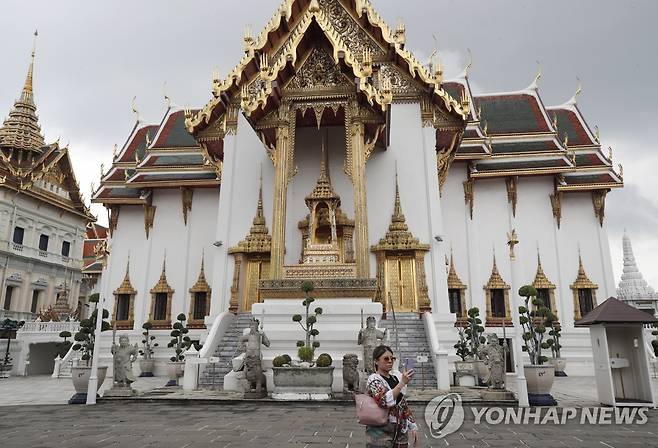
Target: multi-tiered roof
point(29, 165)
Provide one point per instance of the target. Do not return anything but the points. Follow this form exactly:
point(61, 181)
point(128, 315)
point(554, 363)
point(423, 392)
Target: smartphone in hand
point(408, 364)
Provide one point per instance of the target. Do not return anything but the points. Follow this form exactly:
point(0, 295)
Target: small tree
point(147, 341)
point(179, 339)
point(534, 323)
point(85, 338)
point(8, 329)
point(64, 346)
point(474, 332)
point(556, 334)
point(306, 349)
point(462, 346)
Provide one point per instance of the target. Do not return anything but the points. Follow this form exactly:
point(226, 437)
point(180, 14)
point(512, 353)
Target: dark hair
point(379, 351)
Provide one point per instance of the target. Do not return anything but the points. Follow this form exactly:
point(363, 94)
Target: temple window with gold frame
point(199, 300)
point(124, 302)
point(545, 288)
point(161, 297)
point(497, 300)
point(584, 293)
point(456, 294)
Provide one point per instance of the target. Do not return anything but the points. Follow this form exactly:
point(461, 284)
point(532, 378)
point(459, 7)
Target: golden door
point(401, 283)
point(256, 270)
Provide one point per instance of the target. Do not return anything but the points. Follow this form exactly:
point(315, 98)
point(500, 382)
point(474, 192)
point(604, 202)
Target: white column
point(437, 281)
point(223, 264)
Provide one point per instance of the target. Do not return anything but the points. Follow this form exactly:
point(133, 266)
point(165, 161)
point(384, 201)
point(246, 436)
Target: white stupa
point(633, 289)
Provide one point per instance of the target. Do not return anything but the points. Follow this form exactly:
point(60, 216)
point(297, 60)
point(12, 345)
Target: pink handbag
point(368, 411)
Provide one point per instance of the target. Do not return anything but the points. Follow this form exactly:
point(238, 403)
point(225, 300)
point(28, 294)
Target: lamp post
point(93, 377)
point(521, 384)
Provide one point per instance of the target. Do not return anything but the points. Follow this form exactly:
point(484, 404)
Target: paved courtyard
point(244, 425)
point(48, 422)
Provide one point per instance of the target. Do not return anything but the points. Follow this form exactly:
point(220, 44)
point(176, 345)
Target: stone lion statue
point(350, 373)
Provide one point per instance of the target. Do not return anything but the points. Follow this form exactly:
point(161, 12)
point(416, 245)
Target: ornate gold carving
point(113, 217)
point(556, 206)
point(469, 195)
point(444, 158)
point(149, 218)
point(318, 71)
point(125, 288)
point(162, 287)
point(497, 282)
point(512, 194)
point(186, 197)
point(235, 286)
point(512, 241)
point(582, 282)
point(258, 241)
point(598, 200)
point(355, 38)
point(324, 288)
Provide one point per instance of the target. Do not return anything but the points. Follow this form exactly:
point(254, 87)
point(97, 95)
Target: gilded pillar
point(358, 150)
point(281, 174)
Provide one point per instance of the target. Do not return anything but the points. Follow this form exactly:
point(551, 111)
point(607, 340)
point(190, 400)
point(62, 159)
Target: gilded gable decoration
point(497, 296)
point(125, 289)
point(113, 217)
point(556, 206)
point(469, 195)
point(149, 214)
point(401, 265)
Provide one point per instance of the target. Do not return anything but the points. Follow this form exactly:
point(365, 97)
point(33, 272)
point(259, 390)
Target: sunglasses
point(389, 358)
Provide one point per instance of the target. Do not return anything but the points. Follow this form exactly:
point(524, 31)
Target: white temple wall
point(308, 155)
point(244, 157)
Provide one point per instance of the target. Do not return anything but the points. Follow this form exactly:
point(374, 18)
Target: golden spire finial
point(597, 135)
point(115, 151)
point(610, 154)
point(28, 88)
point(166, 95)
point(467, 68)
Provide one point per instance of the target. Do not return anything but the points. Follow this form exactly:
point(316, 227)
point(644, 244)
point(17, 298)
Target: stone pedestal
point(120, 392)
point(496, 395)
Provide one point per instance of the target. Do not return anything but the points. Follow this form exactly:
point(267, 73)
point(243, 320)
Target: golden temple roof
point(21, 129)
point(495, 280)
point(323, 190)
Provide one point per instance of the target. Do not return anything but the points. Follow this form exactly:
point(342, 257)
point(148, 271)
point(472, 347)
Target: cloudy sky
point(93, 57)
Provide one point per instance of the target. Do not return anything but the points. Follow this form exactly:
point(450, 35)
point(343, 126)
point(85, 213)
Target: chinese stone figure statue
point(370, 337)
point(124, 354)
point(493, 355)
point(251, 345)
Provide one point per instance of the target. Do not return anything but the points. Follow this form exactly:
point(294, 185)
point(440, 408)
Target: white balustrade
point(49, 327)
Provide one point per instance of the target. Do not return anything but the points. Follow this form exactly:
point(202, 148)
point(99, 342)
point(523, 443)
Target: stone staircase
point(212, 377)
point(413, 342)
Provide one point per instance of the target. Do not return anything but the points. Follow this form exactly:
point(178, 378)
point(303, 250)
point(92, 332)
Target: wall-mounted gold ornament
point(512, 241)
point(469, 195)
point(512, 192)
point(598, 201)
point(187, 195)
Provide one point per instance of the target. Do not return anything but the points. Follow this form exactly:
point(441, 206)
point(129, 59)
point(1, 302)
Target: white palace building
point(330, 153)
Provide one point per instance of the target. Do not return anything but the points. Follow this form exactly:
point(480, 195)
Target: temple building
point(633, 288)
point(42, 217)
point(331, 154)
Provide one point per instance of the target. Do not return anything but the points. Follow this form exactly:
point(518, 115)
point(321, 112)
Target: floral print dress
point(401, 420)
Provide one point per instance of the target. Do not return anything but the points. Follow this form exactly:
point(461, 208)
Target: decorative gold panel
point(256, 270)
point(401, 283)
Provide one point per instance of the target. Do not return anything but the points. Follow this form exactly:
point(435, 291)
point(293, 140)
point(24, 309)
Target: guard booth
point(621, 364)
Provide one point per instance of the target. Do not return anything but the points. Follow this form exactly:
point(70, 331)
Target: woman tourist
point(401, 430)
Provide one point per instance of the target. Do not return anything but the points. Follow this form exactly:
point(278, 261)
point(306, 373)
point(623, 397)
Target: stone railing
point(51, 257)
point(49, 327)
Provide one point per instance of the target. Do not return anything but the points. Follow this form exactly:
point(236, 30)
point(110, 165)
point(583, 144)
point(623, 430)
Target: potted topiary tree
point(535, 318)
point(306, 377)
point(63, 346)
point(179, 342)
point(464, 369)
point(85, 342)
point(557, 360)
point(147, 362)
point(471, 369)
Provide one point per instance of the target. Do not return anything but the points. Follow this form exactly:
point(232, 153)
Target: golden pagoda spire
point(21, 129)
point(541, 281)
point(454, 282)
point(398, 220)
point(259, 239)
point(495, 280)
point(323, 189)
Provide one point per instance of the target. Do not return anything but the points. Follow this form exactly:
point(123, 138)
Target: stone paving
point(245, 425)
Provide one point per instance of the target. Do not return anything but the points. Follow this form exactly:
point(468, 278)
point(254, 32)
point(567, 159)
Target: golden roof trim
point(201, 284)
point(259, 240)
point(454, 282)
point(162, 287)
point(582, 280)
point(126, 286)
point(495, 280)
point(541, 281)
